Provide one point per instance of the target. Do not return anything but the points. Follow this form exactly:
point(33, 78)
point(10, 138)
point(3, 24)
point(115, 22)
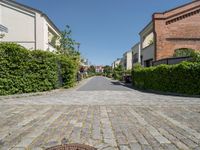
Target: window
point(148, 63)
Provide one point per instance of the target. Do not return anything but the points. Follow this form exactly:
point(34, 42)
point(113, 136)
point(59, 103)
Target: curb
point(78, 85)
point(28, 94)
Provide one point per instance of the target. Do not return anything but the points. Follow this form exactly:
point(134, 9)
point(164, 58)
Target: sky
point(105, 28)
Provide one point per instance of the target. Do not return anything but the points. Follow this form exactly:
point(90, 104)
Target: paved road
point(103, 84)
point(101, 113)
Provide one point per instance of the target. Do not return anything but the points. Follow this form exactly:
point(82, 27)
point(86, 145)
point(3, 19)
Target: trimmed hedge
point(69, 68)
point(24, 71)
point(180, 78)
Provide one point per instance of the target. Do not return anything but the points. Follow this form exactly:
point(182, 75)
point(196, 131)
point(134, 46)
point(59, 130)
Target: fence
point(171, 61)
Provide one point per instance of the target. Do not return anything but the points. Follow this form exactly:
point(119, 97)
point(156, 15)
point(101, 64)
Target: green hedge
point(69, 68)
point(181, 78)
point(23, 71)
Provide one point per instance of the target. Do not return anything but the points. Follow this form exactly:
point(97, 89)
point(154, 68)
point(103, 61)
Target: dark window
point(148, 63)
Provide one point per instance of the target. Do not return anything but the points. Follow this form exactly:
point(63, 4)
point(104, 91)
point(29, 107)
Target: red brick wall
point(178, 31)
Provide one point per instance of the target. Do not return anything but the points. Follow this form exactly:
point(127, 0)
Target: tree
point(107, 70)
point(91, 69)
point(118, 72)
point(68, 46)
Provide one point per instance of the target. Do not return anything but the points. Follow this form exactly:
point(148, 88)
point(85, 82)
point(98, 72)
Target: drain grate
point(72, 147)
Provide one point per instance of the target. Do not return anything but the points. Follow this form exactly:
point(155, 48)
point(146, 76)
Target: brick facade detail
point(177, 28)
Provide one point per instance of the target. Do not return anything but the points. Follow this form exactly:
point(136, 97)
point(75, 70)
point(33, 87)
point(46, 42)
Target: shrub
point(180, 78)
point(118, 72)
point(196, 56)
point(23, 71)
point(183, 52)
point(69, 68)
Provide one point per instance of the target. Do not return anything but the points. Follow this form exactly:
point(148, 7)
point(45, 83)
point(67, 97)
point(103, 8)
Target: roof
point(151, 22)
point(135, 45)
point(133, 49)
point(117, 59)
point(129, 51)
point(25, 7)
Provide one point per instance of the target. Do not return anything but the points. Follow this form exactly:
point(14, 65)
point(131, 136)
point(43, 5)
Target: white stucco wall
point(20, 26)
point(147, 35)
point(51, 34)
point(117, 62)
point(26, 27)
point(46, 39)
point(136, 53)
point(42, 29)
point(148, 53)
point(148, 40)
point(135, 48)
point(0, 12)
point(129, 60)
point(40, 26)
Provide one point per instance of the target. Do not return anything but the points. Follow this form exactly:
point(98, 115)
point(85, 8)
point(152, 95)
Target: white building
point(136, 54)
point(127, 60)
point(27, 26)
point(116, 63)
point(147, 45)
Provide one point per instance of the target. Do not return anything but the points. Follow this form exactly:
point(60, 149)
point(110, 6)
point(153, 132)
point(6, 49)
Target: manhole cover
point(72, 147)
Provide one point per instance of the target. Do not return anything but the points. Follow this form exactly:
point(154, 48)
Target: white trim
point(58, 34)
point(139, 53)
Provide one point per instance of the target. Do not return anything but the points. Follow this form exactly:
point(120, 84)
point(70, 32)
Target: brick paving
point(106, 119)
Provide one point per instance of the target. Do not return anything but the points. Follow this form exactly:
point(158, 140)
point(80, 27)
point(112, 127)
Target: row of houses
point(27, 26)
point(166, 32)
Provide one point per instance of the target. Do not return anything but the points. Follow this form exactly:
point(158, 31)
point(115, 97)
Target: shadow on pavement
point(118, 83)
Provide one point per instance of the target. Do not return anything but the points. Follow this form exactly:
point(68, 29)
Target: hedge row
point(23, 71)
point(181, 78)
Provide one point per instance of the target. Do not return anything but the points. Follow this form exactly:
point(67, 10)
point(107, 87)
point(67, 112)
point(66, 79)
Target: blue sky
point(105, 28)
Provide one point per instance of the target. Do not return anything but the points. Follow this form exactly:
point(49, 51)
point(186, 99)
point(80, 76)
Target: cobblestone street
point(102, 113)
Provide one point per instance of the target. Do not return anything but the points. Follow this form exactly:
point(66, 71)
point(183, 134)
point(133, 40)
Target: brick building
point(171, 30)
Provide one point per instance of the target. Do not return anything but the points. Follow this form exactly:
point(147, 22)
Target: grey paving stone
point(135, 146)
point(102, 146)
point(169, 147)
point(110, 117)
point(111, 142)
point(18, 148)
point(124, 147)
point(197, 148)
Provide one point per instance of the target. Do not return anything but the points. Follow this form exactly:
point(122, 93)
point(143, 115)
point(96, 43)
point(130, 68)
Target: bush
point(118, 72)
point(181, 78)
point(183, 52)
point(196, 56)
point(24, 71)
point(69, 69)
